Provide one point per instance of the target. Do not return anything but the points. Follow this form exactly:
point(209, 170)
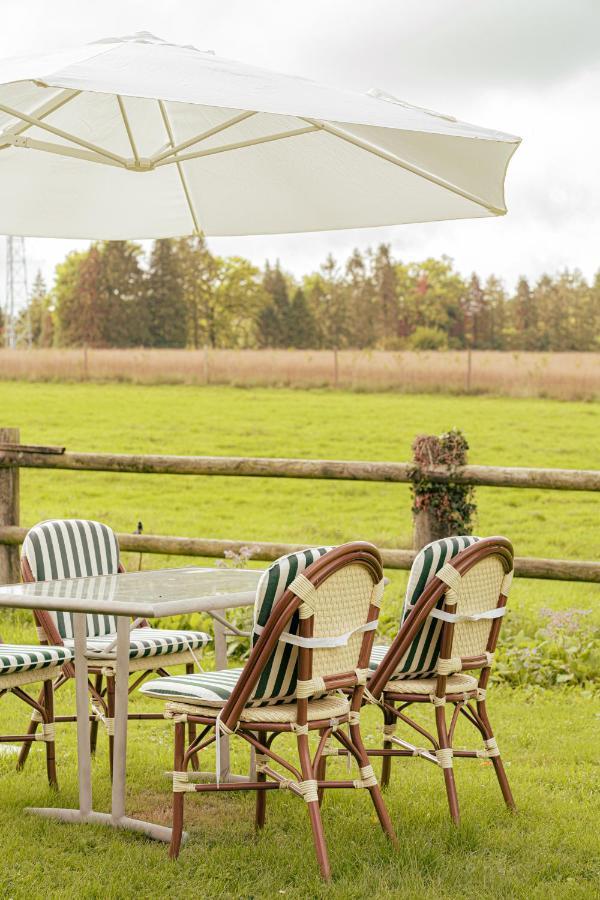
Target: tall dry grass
point(565, 376)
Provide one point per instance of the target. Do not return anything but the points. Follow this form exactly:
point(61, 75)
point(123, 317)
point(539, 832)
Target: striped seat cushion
point(205, 688)
point(421, 657)
point(146, 642)
point(23, 657)
point(72, 548)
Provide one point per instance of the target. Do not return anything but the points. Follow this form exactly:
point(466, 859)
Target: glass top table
point(150, 594)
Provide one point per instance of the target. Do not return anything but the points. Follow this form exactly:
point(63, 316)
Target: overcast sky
point(531, 69)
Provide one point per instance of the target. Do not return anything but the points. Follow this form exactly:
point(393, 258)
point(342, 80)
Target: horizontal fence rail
point(267, 467)
point(168, 545)
point(15, 456)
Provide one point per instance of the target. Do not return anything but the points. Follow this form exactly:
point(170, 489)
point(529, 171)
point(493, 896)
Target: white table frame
point(117, 817)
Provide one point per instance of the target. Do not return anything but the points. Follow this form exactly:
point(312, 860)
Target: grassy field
point(549, 738)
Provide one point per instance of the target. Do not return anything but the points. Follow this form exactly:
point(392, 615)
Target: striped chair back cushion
point(421, 657)
point(71, 548)
point(277, 682)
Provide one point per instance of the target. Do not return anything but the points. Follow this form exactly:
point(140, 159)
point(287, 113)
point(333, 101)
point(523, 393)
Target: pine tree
point(303, 329)
point(166, 307)
point(384, 275)
point(35, 323)
point(122, 302)
point(274, 319)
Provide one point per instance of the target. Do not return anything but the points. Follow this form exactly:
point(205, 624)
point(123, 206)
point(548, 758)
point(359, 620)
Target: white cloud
point(527, 68)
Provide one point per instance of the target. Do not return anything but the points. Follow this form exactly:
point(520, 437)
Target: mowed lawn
point(549, 738)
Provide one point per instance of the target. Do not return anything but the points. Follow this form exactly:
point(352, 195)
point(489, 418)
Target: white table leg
point(85, 813)
point(220, 664)
point(84, 756)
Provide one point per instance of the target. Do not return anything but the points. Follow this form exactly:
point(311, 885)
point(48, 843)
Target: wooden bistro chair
point(455, 601)
point(70, 548)
point(21, 665)
point(314, 620)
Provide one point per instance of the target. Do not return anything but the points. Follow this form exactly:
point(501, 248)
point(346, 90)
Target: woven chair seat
point(330, 707)
point(145, 642)
point(24, 657)
point(455, 684)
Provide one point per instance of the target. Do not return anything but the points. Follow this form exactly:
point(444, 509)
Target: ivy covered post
point(440, 509)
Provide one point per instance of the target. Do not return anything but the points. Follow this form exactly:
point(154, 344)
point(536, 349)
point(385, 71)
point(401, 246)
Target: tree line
point(185, 296)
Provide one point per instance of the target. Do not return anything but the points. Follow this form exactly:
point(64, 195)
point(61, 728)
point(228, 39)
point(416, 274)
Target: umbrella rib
point(32, 144)
point(39, 123)
point(127, 125)
point(175, 149)
point(40, 113)
point(404, 164)
point(182, 178)
point(239, 145)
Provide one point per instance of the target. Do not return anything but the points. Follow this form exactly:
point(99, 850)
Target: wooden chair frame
point(388, 695)
point(43, 712)
point(102, 687)
point(308, 781)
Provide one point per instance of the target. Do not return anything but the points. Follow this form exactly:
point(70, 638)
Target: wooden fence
point(15, 456)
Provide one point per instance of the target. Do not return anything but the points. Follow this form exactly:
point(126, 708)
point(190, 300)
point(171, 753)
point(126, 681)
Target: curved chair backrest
point(71, 548)
point(421, 656)
point(456, 616)
point(314, 620)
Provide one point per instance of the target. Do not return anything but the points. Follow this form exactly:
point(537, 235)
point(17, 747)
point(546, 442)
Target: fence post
point(9, 510)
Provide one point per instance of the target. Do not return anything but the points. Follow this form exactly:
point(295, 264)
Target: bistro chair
point(73, 548)
point(455, 601)
point(20, 665)
point(313, 628)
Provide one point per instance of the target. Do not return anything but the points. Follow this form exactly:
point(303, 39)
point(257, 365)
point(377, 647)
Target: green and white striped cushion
point(277, 683)
point(71, 548)
point(23, 657)
point(147, 642)
point(422, 655)
point(205, 688)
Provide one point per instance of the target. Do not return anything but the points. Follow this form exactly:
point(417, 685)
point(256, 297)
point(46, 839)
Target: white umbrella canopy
point(134, 137)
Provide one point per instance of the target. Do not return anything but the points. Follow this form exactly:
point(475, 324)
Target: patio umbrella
point(134, 137)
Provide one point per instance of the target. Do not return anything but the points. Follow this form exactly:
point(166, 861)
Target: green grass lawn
point(317, 424)
point(549, 738)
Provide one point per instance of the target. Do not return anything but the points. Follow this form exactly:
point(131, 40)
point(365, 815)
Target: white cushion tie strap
point(452, 577)
point(444, 757)
point(316, 643)
point(306, 689)
point(368, 696)
point(377, 593)
point(507, 582)
point(306, 590)
point(181, 783)
point(448, 666)
point(495, 613)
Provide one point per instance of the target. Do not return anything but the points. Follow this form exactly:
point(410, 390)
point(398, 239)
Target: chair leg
point(496, 760)
point(386, 762)
point(110, 711)
point(94, 722)
point(177, 823)
point(189, 670)
point(48, 692)
point(374, 790)
point(320, 775)
point(314, 810)
point(33, 727)
point(442, 730)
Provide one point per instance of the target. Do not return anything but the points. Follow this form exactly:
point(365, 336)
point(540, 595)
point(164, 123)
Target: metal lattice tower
point(17, 294)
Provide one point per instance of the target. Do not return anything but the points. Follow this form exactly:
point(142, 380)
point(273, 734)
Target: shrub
point(450, 505)
point(424, 338)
